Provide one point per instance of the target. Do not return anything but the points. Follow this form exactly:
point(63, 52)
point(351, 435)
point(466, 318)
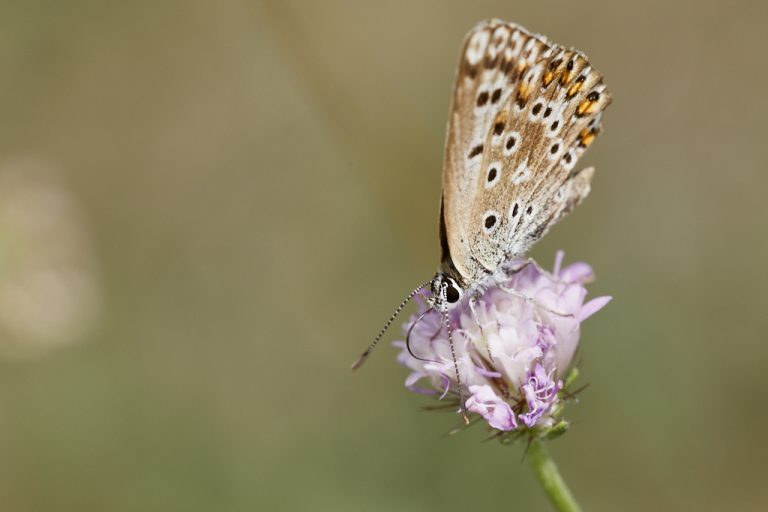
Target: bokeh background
point(208, 208)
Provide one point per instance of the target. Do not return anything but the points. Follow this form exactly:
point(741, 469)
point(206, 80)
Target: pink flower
point(512, 352)
point(540, 394)
point(487, 404)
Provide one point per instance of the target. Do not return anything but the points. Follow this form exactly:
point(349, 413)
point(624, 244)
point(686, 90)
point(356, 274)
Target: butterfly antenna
point(447, 322)
point(364, 356)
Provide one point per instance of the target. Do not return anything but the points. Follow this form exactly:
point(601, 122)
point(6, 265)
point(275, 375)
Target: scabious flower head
point(513, 347)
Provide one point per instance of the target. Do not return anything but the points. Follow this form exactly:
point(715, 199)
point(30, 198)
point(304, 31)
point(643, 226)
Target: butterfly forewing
point(524, 110)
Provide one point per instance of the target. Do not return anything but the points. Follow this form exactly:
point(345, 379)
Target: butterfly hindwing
point(523, 112)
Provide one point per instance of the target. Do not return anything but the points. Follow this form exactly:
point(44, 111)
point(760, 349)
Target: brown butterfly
point(524, 110)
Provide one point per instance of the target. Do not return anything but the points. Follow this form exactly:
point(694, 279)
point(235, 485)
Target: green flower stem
point(546, 472)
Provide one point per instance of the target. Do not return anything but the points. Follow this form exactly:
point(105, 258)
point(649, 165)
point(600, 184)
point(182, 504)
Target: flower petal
point(577, 273)
point(558, 262)
point(490, 406)
point(593, 306)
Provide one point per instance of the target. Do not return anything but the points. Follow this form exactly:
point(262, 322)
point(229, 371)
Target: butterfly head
point(446, 290)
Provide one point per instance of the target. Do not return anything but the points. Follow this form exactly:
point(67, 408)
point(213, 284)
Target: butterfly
point(524, 110)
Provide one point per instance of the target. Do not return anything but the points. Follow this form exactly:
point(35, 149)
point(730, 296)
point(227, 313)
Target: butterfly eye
point(452, 291)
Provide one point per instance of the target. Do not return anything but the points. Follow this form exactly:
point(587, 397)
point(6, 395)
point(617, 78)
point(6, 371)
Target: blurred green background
point(244, 191)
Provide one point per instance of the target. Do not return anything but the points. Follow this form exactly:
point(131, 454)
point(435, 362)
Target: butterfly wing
point(524, 110)
point(475, 102)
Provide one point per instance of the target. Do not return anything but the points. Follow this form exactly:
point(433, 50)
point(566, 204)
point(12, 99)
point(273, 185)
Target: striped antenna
point(364, 356)
point(447, 322)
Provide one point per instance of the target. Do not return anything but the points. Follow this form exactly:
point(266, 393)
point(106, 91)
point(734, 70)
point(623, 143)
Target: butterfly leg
point(447, 323)
point(533, 301)
point(473, 308)
point(424, 297)
point(514, 269)
point(522, 265)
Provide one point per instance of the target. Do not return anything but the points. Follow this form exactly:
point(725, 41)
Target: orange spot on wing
point(586, 107)
point(524, 92)
point(575, 88)
point(587, 136)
